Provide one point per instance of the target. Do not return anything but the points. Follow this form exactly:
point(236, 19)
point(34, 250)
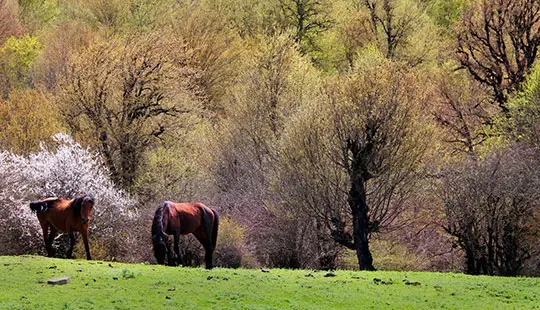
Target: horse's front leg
point(45, 229)
point(71, 245)
point(170, 260)
point(177, 249)
point(52, 234)
point(86, 247)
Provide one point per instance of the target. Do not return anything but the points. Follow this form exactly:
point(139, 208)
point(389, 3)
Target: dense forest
point(362, 134)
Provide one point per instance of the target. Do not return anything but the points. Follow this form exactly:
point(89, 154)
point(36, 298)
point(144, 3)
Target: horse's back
point(57, 214)
point(187, 217)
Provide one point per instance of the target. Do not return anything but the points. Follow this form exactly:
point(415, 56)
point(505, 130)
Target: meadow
point(112, 285)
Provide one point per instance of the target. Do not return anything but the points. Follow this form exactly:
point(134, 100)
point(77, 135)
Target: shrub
point(231, 250)
point(492, 207)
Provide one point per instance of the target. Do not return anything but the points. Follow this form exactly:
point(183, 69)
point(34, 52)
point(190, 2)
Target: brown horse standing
point(64, 215)
point(181, 219)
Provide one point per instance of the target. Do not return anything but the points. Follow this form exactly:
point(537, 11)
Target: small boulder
point(61, 280)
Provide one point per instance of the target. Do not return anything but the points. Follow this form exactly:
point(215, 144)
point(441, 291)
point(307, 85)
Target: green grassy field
point(110, 285)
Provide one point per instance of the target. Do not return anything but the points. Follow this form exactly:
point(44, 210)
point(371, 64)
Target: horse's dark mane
point(76, 204)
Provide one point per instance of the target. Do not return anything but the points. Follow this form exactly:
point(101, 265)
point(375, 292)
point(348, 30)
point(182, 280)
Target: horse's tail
point(41, 206)
point(37, 207)
point(158, 236)
point(215, 227)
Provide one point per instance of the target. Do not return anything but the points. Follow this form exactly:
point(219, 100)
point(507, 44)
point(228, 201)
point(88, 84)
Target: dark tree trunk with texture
point(359, 211)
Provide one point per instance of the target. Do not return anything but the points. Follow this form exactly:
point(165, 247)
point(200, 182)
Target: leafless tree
point(125, 95)
point(498, 43)
point(395, 27)
point(462, 109)
point(492, 209)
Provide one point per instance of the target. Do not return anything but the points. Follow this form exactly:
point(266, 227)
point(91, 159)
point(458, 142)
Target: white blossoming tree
point(18, 227)
point(68, 170)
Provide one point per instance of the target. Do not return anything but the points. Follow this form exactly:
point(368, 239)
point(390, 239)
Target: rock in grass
point(61, 280)
point(330, 274)
point(412, 283)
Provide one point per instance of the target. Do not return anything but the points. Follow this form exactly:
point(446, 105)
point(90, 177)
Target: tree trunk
point(359, 211)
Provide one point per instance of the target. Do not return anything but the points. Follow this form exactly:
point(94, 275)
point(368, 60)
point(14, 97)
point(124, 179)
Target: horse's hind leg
point(71, 245)
point(206, 242)
point(208, 257)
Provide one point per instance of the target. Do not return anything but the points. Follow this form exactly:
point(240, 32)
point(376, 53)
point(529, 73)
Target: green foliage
point(17, 57)
point(341, 44)
point(276, 82)
point(369, 126)
point(524, 121)
point(446, 12)
point(401, 29)
point(97, 284)
point(230, 232)
point(307, 19)
point(21, 52)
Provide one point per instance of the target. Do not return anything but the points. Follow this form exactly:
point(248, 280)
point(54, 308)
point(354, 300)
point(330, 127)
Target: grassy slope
point(104, 285)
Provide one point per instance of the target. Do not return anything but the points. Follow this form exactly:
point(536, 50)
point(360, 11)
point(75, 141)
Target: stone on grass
point(60, 280)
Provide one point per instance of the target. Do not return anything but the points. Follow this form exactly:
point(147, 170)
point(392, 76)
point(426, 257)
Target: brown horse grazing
point(64, 215)
point(181, 219)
